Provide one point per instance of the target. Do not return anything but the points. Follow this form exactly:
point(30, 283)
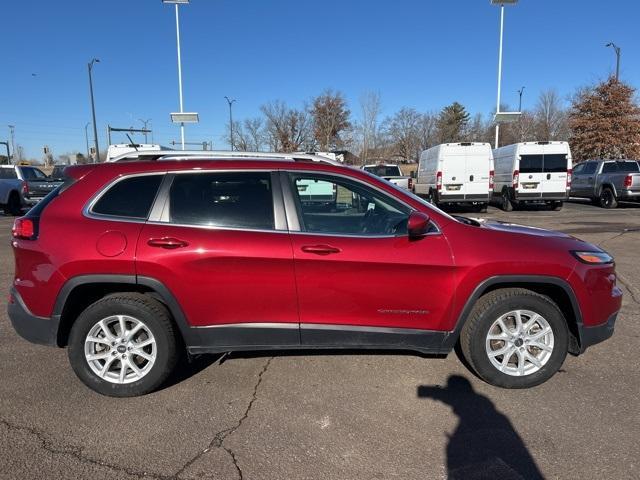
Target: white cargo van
point(456, 173)
point(532, 172)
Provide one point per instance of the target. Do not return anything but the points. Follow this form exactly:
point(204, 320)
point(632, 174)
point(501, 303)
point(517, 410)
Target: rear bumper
point(540, 197)
point(31, 200)
point(593, 335)
point(29, 326)
point(453, 198)
point(629, 195)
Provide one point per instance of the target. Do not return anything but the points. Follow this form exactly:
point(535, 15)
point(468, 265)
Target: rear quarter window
point(129, 198)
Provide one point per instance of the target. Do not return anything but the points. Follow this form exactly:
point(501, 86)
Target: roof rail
point(156, 155)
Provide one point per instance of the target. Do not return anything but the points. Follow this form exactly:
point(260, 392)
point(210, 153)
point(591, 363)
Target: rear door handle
point(320, 249)
point(167, 242)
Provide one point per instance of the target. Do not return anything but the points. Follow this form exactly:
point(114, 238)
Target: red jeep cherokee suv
point(131, 263)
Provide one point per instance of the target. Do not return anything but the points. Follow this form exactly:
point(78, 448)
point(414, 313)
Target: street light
point(502, 3)
point(177, 3)
point(231, 102)
point(86, 138)
point(520, 92)
point(93, 108)
point(617, 50)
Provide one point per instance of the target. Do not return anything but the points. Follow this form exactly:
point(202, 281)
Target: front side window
point(129, 198)
point(590, 168)
point(223, 199)
point(330, 205)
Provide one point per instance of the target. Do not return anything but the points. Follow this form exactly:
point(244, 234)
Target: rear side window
point(628, 167)
point(8, 173)
point(228, 199)
point(610, 167)
point(130, 198)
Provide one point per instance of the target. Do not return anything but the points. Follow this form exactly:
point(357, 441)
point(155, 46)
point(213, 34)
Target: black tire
point(155, 317)
point(13, 206)
point(480, 208)
point(608, 198)
point(506, 204)
point(556, 206)
point(487, 310)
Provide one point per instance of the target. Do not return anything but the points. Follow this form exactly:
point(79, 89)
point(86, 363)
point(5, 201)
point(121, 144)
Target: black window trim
point(88, 209)
point(293, 212)
point(160, 210)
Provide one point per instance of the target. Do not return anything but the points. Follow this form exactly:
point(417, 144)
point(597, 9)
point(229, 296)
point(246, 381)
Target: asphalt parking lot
point(343, 415)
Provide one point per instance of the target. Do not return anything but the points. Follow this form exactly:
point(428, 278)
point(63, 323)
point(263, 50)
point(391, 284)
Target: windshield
point(384, 170)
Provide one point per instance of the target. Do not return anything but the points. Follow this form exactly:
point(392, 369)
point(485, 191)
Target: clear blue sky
point(417, 53)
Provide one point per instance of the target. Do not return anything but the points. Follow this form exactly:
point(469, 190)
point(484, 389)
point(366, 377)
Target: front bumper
point(593, 335)
point(29, 326)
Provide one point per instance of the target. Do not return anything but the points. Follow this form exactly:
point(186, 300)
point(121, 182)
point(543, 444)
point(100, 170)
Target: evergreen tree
point(452, 121)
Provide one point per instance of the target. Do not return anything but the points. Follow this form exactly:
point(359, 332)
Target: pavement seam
point(76, 452)
point(220, 437)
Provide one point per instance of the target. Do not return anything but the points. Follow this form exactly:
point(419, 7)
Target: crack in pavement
point(221, 436)
point(628, 287)
point(76, 452)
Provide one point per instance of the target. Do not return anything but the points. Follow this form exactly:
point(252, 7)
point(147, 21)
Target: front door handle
point(320, 249)
point(167, 242)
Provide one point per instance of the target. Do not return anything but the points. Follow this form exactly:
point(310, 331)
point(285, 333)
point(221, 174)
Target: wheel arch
point(557, 289)
point(81, 291)
point(610, 186)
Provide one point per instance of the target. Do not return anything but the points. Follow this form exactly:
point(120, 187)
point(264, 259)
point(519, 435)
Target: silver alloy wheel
point(120, 349)
point(519, 343)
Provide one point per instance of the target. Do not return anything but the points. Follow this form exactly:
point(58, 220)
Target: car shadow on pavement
point(484, 445)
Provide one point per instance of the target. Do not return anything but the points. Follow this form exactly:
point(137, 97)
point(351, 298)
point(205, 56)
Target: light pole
point(145, 122)
point(93, 109)
point(520, 92)
point(502, 3)
point(86, 138)
point(617, 50)
point(177, 3)
point(231, 102)
point(12, 129)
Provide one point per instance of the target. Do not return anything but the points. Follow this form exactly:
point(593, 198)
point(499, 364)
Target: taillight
point(25, 189)
point(410, 184)
point(491, 173)
point(439, 181)
point(628, 180)
point(516, 178)
point(25, 228)
point(569, 175)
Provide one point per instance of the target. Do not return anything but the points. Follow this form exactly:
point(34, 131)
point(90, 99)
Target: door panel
point(383, 282)
point(223, 276)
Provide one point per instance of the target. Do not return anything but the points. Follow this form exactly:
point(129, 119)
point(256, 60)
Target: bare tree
point(330, 118)
point(254, 132)
point(240, 138)
point(551, 119)
point(370, 107)
point(287, 129)
point(403, 132)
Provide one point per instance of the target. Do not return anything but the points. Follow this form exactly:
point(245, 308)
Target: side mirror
point(418, 225)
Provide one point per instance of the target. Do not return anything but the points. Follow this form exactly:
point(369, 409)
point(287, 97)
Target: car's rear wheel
point(608, 198)
point(515, 338)
point(506, 204)
point(13, 206)
point(123, 345)
point(556, 206)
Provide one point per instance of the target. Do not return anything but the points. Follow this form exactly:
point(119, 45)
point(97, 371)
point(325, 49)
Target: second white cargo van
point(532, 172)
point(456, 173)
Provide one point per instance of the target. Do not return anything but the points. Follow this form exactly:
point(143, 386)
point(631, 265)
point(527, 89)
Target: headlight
point(593, 258)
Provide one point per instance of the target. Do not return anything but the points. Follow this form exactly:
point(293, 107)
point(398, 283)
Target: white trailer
point(532, 172)
point(456, 173)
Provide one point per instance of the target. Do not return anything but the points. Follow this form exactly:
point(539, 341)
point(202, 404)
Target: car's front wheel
point(515, 338)
point(123, 345)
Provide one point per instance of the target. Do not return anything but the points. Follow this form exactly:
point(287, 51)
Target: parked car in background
point(456, 173)
point(392, 173)
point(23, 186)
point(228, 254)
point(532, 172)
point(11, 189)
point(606, 182)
